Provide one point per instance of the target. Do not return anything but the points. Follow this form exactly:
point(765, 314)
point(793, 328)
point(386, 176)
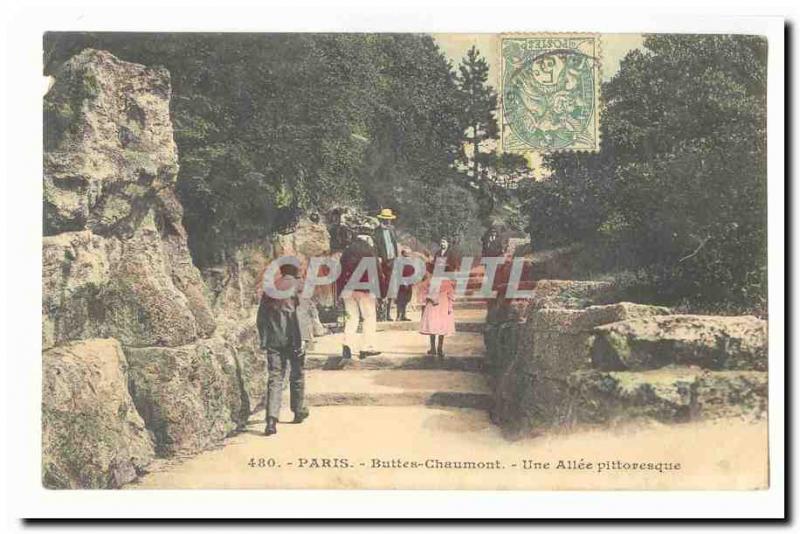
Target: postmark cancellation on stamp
point(550, 92)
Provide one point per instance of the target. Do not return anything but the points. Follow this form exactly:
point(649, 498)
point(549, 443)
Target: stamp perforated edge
point(597, 100)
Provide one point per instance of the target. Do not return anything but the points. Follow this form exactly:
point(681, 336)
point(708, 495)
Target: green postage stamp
point(550, 92)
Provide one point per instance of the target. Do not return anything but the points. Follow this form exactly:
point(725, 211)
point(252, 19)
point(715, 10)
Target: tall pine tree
point(479, 121)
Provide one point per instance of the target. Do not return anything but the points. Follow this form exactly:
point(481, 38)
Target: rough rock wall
point(116, 265)
point(190, 397)
point(234, 287)
point(116, 262)
point(108, 144)
point(557, 360)
point(92, 435)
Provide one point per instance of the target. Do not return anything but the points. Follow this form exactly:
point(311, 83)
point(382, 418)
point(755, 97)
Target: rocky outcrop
point(235, 286)
point(243, 336)
point(92, 435)
point(115, 256)
point(670, 394)
point(145, 306)
point(76, 268)
point(720, 343)
point(531, 379)
point(556, 360)
point(190, 397)
point(504, 316)
point(116, 265)
point(109, 148)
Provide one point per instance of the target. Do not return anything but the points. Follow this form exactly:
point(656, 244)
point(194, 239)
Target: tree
point(415, 132)
point(680, 181)
point(271, 125)
point(478, 116)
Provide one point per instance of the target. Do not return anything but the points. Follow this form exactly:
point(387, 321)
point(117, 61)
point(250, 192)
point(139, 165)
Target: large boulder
point(143, 306)
point(670, 394)
point(108, 144)
point(531, 388)
point(252, 360)
point(306, 240)
point(712, 342)
point(190, 397)
point(142, 291)
point(76, 268)
point(504, 313)
point(115, 256)
point(92, 435)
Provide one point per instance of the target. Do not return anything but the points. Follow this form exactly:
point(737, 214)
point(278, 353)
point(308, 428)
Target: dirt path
point(374, 441)
point(405, 421)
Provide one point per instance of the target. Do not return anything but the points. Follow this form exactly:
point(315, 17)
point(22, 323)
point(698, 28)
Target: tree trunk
point(475, 147)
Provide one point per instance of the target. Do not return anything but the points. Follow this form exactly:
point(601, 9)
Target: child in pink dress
point(438, 318)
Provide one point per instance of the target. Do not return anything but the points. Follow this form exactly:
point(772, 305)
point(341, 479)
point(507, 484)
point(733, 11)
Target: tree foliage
point(679, 185)
point(271, 125)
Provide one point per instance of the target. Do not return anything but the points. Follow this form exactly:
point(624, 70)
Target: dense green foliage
point(271, 125)
point(678, 190)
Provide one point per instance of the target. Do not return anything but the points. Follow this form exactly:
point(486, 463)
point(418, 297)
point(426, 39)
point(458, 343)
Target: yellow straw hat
point(386, 213)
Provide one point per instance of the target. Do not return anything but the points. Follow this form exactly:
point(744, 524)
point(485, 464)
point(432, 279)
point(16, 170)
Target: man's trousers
point(277, 361)
point(359, 305)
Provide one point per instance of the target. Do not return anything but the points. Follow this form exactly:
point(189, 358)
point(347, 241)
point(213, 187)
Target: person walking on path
point(493, 244)
point(284, 329)
point(444, 253)
point(385, 239)
point(359, 304)
point(438, 318)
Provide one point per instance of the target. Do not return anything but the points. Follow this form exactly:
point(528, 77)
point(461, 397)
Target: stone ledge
point(712, 342)
point(567, 321)
point(670, 394)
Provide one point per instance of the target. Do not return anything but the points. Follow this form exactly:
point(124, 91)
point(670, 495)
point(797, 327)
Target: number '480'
point(262, 462)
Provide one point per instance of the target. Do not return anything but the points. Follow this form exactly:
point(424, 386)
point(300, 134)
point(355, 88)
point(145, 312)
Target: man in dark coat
point(388, 250)
point(493, 244)
point(404, 291)
point(284, 328)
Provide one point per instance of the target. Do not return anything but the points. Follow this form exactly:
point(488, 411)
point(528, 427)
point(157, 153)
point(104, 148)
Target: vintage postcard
point(497, 261)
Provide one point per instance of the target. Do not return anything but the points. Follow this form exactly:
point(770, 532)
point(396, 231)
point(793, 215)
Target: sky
point(613, 47)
